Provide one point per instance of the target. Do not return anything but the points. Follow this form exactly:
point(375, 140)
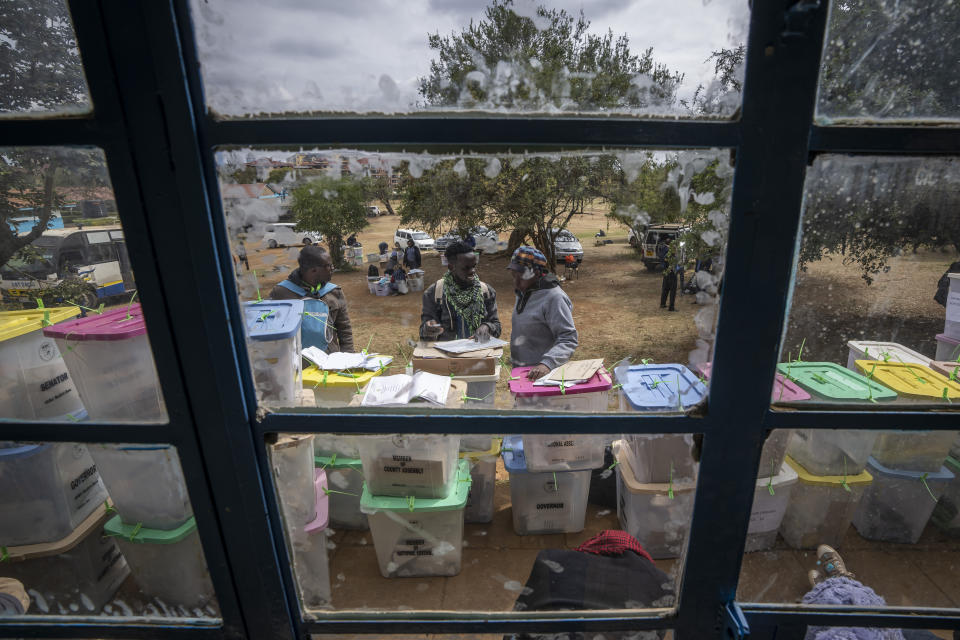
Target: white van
point(282, 234)
point(420, 238)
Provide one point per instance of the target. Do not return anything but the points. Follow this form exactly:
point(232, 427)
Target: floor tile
point(896, 577)
point(356, 583)
point(491, 580)
point(773, 576)
point(944, 570)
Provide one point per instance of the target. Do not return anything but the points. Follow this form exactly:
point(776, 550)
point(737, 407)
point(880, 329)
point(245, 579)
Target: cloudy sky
point(367, 56)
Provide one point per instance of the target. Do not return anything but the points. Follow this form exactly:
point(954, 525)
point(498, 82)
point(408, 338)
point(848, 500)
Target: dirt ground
point(616, 300)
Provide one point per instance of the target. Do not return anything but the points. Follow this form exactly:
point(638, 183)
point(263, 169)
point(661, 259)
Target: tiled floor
point(496, 561)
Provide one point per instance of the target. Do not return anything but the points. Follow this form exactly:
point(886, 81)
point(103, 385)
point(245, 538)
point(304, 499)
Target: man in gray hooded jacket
point(542, 335)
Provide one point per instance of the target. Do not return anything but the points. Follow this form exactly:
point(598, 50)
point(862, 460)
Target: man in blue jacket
point(326, 323)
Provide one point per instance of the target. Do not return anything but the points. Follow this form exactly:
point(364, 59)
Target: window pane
point(40, 68)
point(887, 60)
point(875, 316)
point(73, 341)
point(100, 529)
point(483, 523)
point(640, 57)
point(885, 501)
point(595, 224)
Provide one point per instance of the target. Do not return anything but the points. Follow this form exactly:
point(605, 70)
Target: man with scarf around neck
point(542, 334)
point(459, 305)
point(328, 328)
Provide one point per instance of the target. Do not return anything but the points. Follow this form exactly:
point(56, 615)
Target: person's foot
point(815, 577)
point(671, 309)
point(830, 562)
point(663, 306)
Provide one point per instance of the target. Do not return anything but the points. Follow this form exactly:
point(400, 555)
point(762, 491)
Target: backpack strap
point(300, 291)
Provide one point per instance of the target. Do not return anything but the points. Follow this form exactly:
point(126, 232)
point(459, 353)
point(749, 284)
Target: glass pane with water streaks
point(73, 339)
point(682, 59)
point(850, 517)
point(485, 523)
point(40, 69)
point(382, 282)
point(99, 530)
point(886, 60)
point(875, 315)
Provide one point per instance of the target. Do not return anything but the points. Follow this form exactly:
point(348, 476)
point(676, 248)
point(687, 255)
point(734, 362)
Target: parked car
point(653, 235)
point(486, 239)
point(373, 211)
point(420, 238)
point(566, 244)
point(282, 234)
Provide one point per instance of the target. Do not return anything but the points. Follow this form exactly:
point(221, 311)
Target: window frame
point(150, 118)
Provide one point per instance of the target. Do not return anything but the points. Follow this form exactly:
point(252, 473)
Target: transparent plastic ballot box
point(109, 359)
point(659, 387)
point(167, 564)
point(912, 382)
point(898, 504)
point(80, 572)
point(49, 489)
point(483, 480)
point(145, 483)
point(419, 465)
point(544, 502)
point(770, 500)
point(34, 381)
point(336, 388)
point(591, 396)
point(655, 513)
point(419, 536)
point(883, 351)
point(345, 480)
point(273, 343)
point(821, 508)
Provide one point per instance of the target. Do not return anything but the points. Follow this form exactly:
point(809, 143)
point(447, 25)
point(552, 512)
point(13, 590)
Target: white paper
point(341, 360)
point(376, 361)
point(430, 387)
point(468, 344)
point(316, 355)
point(387, 390)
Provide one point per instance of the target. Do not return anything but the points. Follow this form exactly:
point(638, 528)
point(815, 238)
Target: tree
point(40, 66)
point(885, 58)
point(336, 207)
point(29, 177)
point(543, 61)
point(721, 98)
point(455, 194)
point(870, 209)
point(380, 188)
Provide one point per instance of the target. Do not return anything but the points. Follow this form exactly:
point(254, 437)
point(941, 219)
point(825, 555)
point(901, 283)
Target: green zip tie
point(73, 418)
point(257, 283)
point(367, 349)
point(953, 374)
point(130, 304)
point(655, 383)
point(98, 310)
point(819, 378)
point(946, 396)
point(866, 353)
point(343, 493)
point(514, 377)
point(563, 389)
point(263, 316)
point(770, 485)
point(910, 369)
point(136, 530)
point(40, 303)
point(923, 479)
point(556, 485)
point(670, 488)
point(325, 373)
point(843, 483)
point(800, 353)
point(615, 463)
point(410, 502)
point(357, 382)
point(885, 355)
point(646, 360)
point(4, 554)
point(616, 386)
point(109, 507)
point(333, 459)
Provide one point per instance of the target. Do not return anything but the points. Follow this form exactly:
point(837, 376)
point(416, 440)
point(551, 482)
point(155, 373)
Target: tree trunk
point(335, 247)
point(388, 206)
point(517, 238)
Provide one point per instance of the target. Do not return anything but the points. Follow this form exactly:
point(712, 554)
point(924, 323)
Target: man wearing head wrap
point(459, 305)
point(543, 335)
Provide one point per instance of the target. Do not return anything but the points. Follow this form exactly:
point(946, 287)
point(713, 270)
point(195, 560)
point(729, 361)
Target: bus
point(96, 256)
